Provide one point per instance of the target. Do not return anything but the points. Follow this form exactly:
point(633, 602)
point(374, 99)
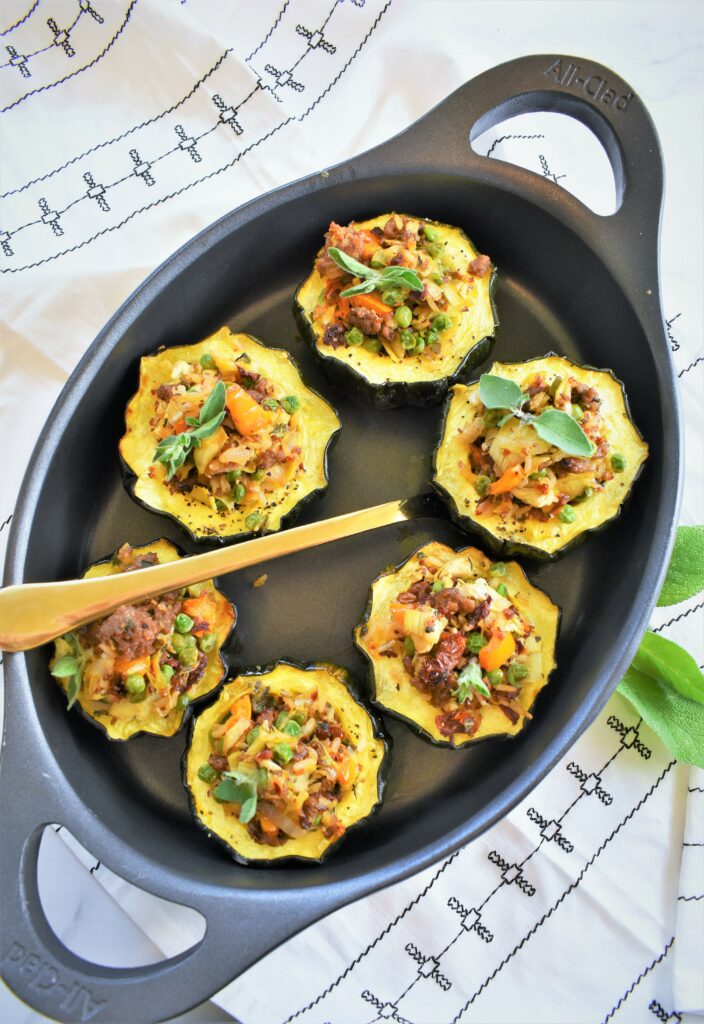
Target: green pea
point(254, 520)
point(392, 297)
point(281, 718)
point(430, 233)
point(135, 683)
point(179, 642)
point(495, 677)
point(481, 485)
point(233, 476)
point(354, 337)
point(431, 337)
point(258, 474)
point(372, 345)
point(475, 642)
point(567, 514)
point(282, 753)
point(188, 657)
point(408, 646)
point(300, 717)
point(403, 316)
point(184, 700)
point(408, 340)
point(516, 672)
point(618, 462)
point(183, 623)
point(539, 474)
point(554, 386)
point(238, 492)
point(441, 322)
point(292, 728)
point(291, 403)
point(419, 346)
point(137, 698)
point(167, 672)
point(498, 569)
point(208, 642)
point(578, 412)
point(252, 735)
point(207, 773)
point(502, 589)
point(271, 404)
point(207, 361)
point(437, 587)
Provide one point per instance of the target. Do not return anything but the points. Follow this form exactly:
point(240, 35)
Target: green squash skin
point(197, 703)
point(397, 393)
point(511, 548)
point(130, 479)
point(411, 722)
point(382, 774)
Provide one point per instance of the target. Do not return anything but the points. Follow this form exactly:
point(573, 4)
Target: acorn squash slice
point(285, 763)
point(253, 465)
point(399, 346)
point(521, 494)
point(141, 668)
point(458, 646)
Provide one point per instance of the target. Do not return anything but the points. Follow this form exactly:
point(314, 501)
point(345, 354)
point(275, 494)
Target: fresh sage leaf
point(562, 431)
point(678, 722)
point(214, 403)
point(73, 687)
point(685, 575)
point(498, 392)
point(351, 265)
point(359, 289)
point(65, 666)
point(666, 661)
point(173, 451)
point(239, 788)
point(401, 276)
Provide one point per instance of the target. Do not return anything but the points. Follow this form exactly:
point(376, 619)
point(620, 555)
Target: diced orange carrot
point(497, 651)
point(372, 302)
point(247, 415)
point(180, 426)
point(201, 609)
point(242, 708)
point(346, 772)
point(132, 666)
point(343, 308)
point(397, 613)
point(268, 826)
point(510, 479)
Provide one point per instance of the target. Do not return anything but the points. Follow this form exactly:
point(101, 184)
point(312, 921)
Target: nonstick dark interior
point(554, 293)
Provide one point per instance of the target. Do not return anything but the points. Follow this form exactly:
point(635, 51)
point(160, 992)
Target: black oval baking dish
point(569, 281)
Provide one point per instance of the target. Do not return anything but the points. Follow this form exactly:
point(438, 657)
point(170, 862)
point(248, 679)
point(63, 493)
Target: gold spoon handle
point(32, 613)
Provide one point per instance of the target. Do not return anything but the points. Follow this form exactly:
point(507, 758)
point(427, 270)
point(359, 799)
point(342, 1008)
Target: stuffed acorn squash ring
point(139, 669)
point(398, 307)
point(285, 763)
point(459, 646)
point(536, 454)
point(225, 438)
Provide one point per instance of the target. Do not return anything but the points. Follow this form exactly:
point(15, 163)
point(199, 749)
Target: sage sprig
point(173, 451)
point(70, 668)
point(240, 788)
point(372, 279)
point(470, 678)
point(552, 426)
point(663, 682)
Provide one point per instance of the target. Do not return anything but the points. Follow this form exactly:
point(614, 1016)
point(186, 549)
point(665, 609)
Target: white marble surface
point(656, 46)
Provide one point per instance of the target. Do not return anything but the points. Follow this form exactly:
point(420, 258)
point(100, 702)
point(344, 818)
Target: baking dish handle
point(240, 926)
point(582, 89)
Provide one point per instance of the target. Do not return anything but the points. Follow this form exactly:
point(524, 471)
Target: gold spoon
point(32, 613)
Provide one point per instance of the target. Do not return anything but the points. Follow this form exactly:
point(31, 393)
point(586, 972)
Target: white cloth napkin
point(129, 125)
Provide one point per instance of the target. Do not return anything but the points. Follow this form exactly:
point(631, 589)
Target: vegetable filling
point(283, 762)
point(538, 453)
point(150, 654)
point(463, 643)
point(387, 289)
point(227, 435)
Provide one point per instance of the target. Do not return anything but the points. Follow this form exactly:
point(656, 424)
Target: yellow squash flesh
point(197, 511)
point(124, 719)
point(456, 481)
point(220, 820)
point(472, 322)
point(393, 690)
